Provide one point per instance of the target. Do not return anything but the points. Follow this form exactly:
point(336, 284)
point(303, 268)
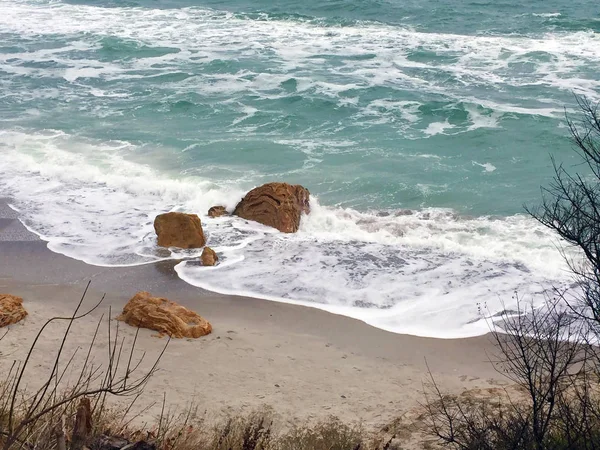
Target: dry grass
point(188, 431)
point(255, 431)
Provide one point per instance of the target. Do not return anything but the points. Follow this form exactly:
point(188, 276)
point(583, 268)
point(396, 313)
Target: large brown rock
point(277, 205)
point(217, 211)
point(208, 257)
point(11, 310)
point(181, 230)
point(164, 316)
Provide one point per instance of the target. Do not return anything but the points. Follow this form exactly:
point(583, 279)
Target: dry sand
point(306, 364)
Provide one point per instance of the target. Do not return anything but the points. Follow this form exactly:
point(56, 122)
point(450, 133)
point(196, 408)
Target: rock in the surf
point(217, 211)
point(181, 230)
point(278, 205)
point(11, 310)
point(208, 257)
point(164, 316)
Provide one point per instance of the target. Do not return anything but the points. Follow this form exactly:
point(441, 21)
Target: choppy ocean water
point(421, 129)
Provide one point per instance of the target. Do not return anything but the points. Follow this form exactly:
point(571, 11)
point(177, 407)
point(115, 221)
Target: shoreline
point(303, 362)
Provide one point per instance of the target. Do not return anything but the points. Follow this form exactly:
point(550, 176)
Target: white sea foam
point(427, 272)
point(89, 202)
point(481, 120)
point(291, 46)
point(555, 14)
point(247, 111)
point(438, 128)
point(487, 167)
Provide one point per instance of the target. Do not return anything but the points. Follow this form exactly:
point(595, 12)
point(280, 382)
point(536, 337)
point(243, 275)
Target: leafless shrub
point(571, 207)
point(541, 352)
point(38, 420)
point(550, 353)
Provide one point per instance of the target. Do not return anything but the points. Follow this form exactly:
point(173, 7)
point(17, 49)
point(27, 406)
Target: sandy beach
point(304, 363)
point(343, 198)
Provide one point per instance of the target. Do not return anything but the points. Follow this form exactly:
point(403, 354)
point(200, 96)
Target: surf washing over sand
point(427, 272)
point(419, 142)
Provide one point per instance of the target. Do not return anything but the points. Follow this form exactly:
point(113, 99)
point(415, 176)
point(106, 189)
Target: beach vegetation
point(39, 419)
point(549, 353)
point(73, 406)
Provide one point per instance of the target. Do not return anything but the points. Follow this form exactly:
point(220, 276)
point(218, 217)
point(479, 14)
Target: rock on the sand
point(278, 205)
point(164, 316)
point(181, 230)
point(209, 257)
point(217, 211)
point(11, 309)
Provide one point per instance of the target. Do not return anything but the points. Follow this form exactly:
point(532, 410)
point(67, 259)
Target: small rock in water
point(209, 257)
point(180, 230)
point(217, 211)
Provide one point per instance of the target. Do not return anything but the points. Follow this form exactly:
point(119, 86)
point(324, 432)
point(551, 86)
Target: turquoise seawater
point(420, 127)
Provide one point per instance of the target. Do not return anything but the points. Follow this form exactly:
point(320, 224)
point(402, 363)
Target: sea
point(422, 129)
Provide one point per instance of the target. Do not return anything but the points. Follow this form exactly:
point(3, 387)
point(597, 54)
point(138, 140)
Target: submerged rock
point(209, 257)
point(164, 316)
point(278, 205)
point(11, 310)
point(181, 230)
point(217, 211)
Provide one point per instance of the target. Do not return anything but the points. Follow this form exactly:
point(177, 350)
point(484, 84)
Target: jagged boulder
point(208, 257)
point(11, 310)
point(217, 211)
point(181, 230)
point(164, 316)
point(278, 205)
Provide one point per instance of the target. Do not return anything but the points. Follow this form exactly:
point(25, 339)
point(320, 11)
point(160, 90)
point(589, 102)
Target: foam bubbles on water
point(487, 167)
point(555, 14)
point(481, 120)
point(438, 128)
